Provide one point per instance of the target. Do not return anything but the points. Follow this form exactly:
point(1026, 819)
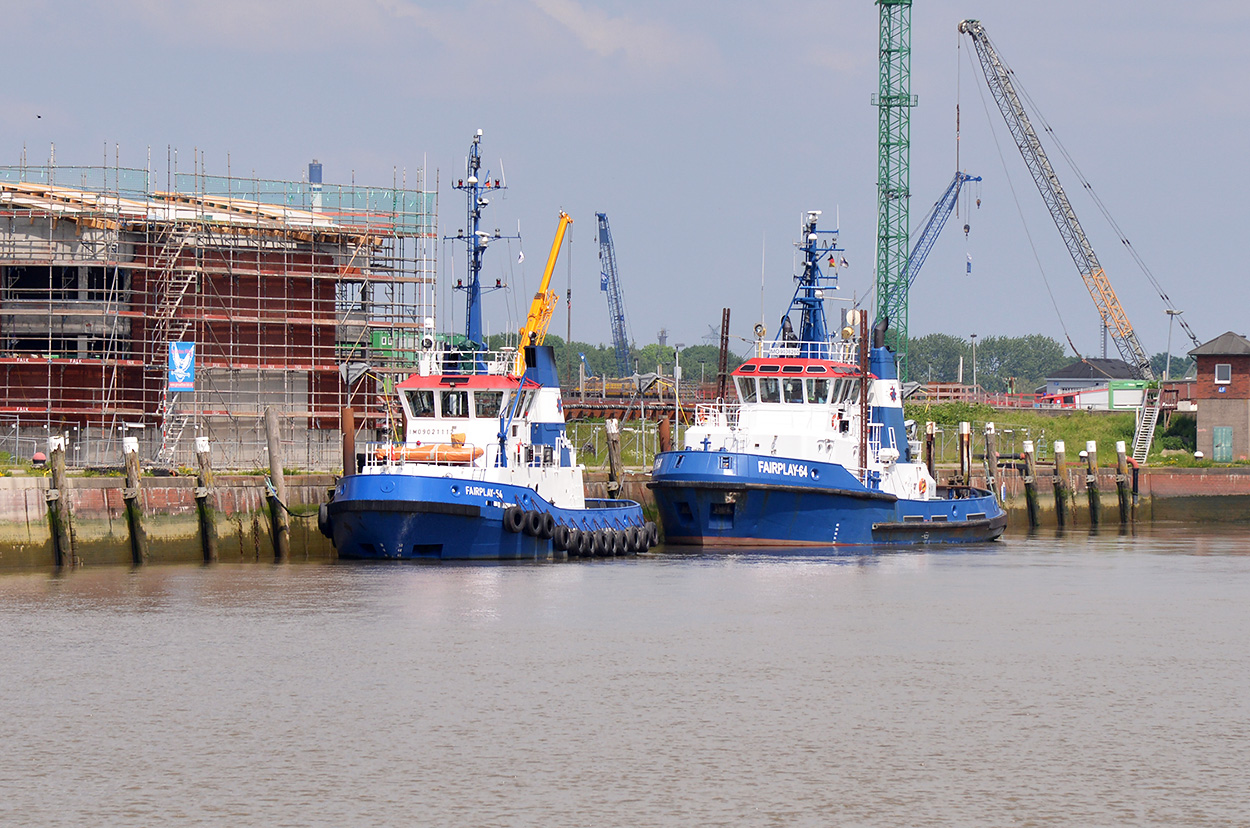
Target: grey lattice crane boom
point(998, 78)
point(610, 283)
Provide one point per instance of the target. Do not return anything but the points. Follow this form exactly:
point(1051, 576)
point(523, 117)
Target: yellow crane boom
point(544, 304)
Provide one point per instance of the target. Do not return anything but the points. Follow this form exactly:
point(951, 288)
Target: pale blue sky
point(703, 129)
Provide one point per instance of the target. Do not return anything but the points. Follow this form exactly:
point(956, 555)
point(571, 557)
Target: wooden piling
point(1091, 483)
point(130, 495)
point(1061, 484)
point(616, 471)
point(1122, 489)
point(930, 449)
point(203, 491)
point(666, 433)
point(347, 424)
point(1030, 485)
point(991, 460)
point(58, 505)
point(965, 454)
point(277, 494)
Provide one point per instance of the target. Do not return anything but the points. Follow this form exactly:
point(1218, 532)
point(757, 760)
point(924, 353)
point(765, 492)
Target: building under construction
point(166, 314)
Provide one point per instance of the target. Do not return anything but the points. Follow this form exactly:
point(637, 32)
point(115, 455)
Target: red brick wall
point(1205, 387)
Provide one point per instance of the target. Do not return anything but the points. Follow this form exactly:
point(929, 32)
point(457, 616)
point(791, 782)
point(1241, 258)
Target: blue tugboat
point(815, 450)
point(485, 470)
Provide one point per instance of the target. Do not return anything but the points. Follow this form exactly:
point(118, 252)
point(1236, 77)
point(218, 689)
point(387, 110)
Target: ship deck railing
point(719, 414)
point(395, 457)
point(434, 361)
point(837, 350)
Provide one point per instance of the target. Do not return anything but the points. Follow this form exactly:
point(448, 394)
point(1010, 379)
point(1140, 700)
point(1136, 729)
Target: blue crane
point(937, 220)
point(610, 283)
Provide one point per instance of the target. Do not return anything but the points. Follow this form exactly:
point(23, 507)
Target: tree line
point(1014, 364)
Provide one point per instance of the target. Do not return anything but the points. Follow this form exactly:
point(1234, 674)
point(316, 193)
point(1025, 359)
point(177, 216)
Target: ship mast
point(809, 295)
point(475, 187)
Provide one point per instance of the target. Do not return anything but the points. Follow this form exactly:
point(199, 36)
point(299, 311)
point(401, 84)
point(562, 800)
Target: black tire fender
point(546, 526)
point(514, 518)
point(323, 521)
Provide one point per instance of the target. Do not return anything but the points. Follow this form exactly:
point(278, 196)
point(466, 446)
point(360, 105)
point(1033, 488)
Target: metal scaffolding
point(297, 295)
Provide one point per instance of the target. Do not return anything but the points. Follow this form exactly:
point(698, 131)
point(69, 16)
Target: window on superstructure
point(770, 390)
point(455, 403)
point(421, 401)
point(746, 389)
point(487, 403)
point(818, 391)
point(793, 390)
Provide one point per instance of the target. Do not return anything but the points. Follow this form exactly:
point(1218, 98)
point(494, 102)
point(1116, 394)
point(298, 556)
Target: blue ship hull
point(732, 499)
point(408, 517)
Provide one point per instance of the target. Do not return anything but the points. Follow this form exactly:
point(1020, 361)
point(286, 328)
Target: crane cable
point(1102, 208)
point(1016, 198)
point(1098, 202)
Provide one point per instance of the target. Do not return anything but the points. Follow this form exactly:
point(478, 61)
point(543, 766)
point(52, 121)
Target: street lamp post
point(1167, 371)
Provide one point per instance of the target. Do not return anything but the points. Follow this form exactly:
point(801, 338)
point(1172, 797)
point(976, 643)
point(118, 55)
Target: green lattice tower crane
point(894, 102)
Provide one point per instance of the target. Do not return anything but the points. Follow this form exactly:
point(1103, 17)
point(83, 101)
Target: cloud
point(646, 45)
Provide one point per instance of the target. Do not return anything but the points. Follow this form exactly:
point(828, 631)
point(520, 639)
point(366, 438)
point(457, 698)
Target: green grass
point(1013, 427)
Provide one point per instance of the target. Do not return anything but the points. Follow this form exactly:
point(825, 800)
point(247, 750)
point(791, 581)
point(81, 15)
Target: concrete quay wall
point(170, 521)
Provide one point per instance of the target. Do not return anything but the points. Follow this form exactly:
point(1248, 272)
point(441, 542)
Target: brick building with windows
point(1222, 395)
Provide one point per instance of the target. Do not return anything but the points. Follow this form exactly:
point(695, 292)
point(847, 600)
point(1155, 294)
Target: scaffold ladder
point(1147, 418)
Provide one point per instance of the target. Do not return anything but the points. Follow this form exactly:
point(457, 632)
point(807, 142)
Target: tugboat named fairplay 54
point(485, 470)
point(814, 451)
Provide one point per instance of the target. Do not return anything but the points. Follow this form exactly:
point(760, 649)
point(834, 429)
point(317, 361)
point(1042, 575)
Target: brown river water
point(1080, 679)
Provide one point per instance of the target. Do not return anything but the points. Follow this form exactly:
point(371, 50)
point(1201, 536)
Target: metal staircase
point(1147, 418)
point(174, 282)
point(173, 424)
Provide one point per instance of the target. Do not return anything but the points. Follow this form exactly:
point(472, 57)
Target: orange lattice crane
point(544, 305)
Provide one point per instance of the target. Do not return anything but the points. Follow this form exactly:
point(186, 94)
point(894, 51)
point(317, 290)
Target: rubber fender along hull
point(409, 517)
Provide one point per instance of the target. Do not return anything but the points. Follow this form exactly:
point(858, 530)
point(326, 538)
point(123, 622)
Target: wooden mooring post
point(965, 454)
point(991, 460)
point(347, 424)
point(134, 509)
point(58, 505)
point(277, 492)
point(1061, 484)
point(1122, 488)
point(1030, 485)
point(203, 491)
point(616, 471)
point(930, 452)
point(1091, 483)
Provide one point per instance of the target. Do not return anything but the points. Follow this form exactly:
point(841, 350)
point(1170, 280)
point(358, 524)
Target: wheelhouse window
point(1223, 373)
point(421, 401)
point(792, 388)
point(455, 403)
point(746, 389)
point(818, 391)
point(487, 403)
point(770, 390)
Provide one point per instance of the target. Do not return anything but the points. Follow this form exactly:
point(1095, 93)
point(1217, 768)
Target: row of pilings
point(60, 514)
point(1026, 462)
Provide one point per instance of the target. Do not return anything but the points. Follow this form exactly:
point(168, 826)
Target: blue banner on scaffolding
point(182, 366)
